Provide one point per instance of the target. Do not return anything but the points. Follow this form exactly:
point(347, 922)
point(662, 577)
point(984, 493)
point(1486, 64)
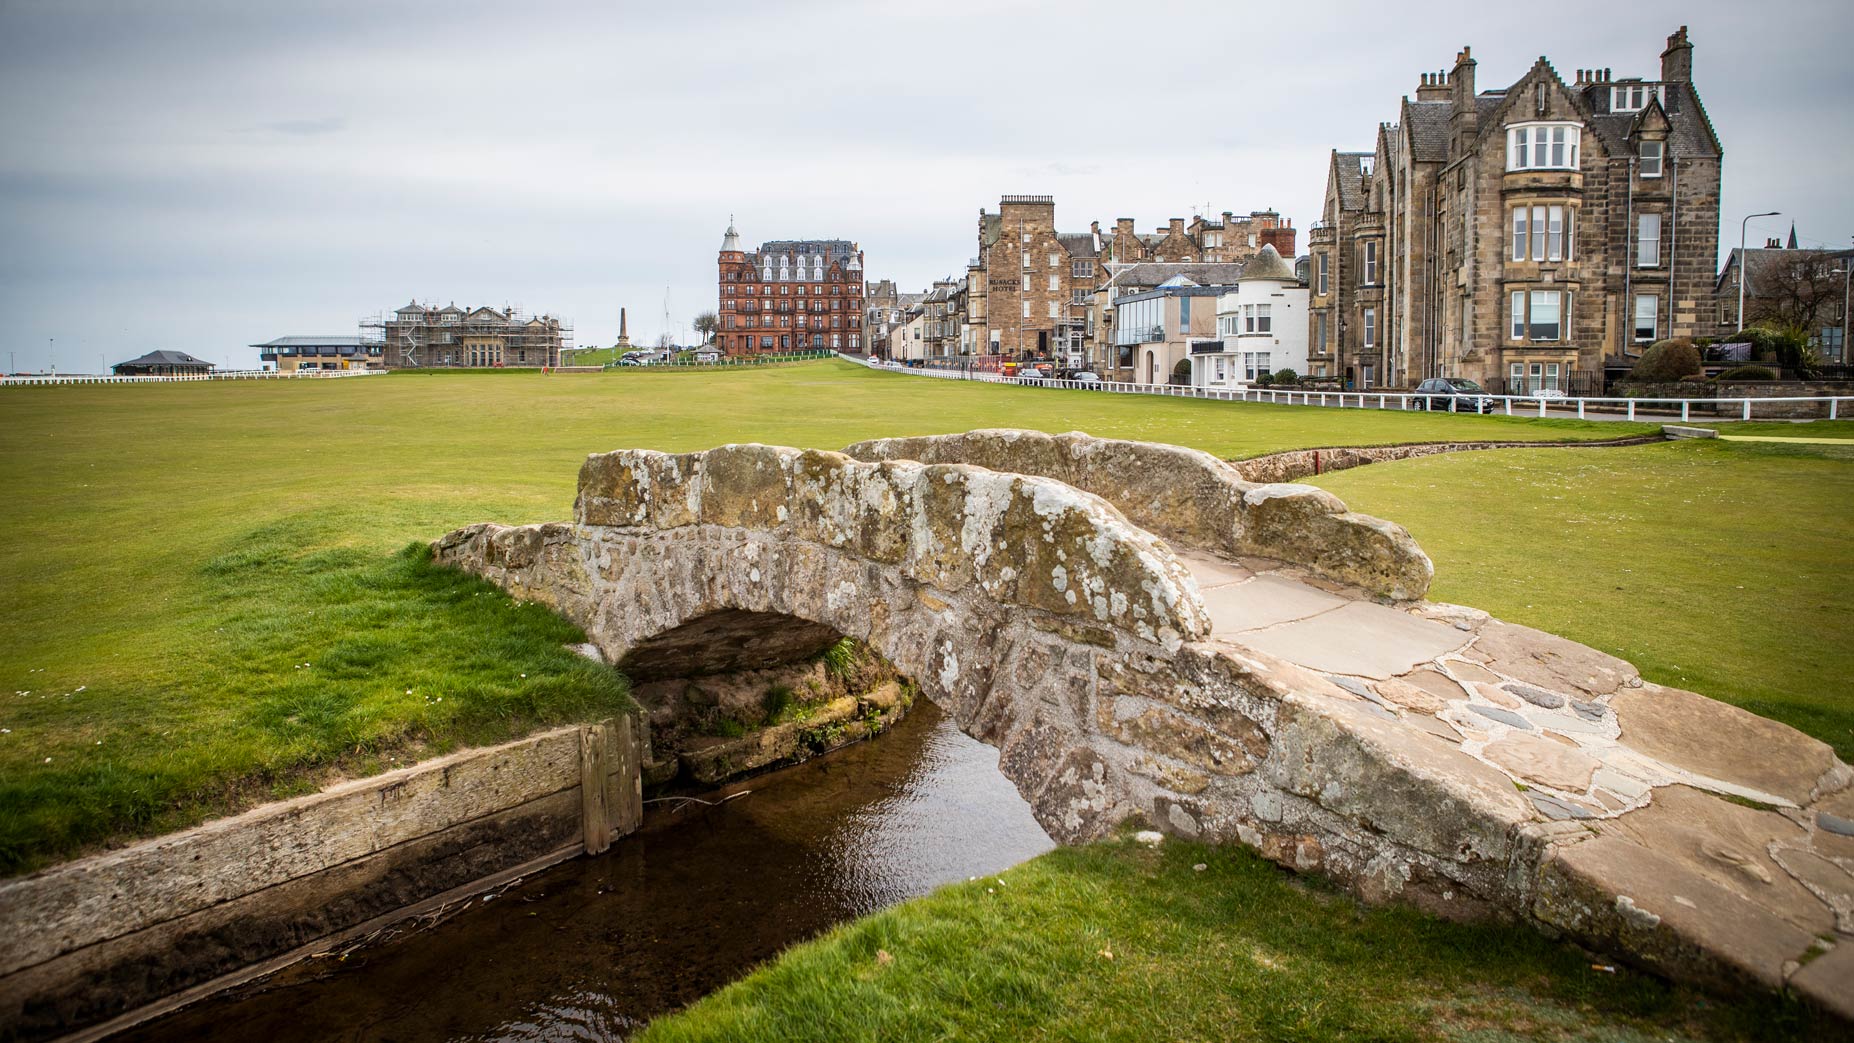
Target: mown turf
point(1721, 567)
point(129, 704)
point(1118, 942)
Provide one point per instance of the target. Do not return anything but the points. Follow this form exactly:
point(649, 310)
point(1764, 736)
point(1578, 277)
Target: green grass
point(1237, 952)
point(1720, 567)
point(152, 669)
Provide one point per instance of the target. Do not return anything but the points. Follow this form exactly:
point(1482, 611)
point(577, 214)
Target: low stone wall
point(1702, 393)
point(1294, 465)
point(101, 942)
point(1193, 497)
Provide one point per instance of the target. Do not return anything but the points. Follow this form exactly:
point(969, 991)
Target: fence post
point(1747, 415)
point(1580, 409)
point(1631, 410)
point(1684, 403)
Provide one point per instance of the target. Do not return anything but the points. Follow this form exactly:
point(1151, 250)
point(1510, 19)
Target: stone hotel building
point(790, 295)
point(1528, 236)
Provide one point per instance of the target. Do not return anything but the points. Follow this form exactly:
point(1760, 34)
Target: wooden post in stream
point(595, 814)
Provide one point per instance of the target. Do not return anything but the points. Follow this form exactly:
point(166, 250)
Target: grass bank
point(175, 553)
point(1719, 567)
point(1119, 942)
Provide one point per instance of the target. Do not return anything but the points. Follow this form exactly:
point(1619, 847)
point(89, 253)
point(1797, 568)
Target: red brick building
point(790, 295)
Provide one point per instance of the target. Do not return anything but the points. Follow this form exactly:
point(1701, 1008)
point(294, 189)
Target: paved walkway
point(1697, 816)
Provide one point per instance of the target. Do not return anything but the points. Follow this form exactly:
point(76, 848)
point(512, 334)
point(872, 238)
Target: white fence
point(1509, 405)
point(232, 374)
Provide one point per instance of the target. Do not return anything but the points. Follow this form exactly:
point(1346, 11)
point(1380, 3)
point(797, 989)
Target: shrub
point(1787, 347)
point(1181, 373)
point(841, 659)
point(1264, 379)
point(1748, 373)
point(1286, 376)
point(1667, 360)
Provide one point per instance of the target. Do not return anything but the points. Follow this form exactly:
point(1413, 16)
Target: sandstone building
point(790, 295)
point(1033, 290)
point(419, 336)
point(1526, 237)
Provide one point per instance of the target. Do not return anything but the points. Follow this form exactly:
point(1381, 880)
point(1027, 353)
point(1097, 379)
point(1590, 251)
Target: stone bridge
point(1145, 636)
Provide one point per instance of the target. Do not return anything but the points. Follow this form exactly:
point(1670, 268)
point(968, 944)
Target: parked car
point(1456, 393)
point(1086, 377)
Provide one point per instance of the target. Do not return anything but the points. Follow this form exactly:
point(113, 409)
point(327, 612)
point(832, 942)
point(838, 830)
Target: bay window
point(1371, 327)
point(1371, 262)
point(1543, 146)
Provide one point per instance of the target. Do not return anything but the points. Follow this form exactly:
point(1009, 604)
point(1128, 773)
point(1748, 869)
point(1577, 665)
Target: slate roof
point(1426, 122)
point(1351, 179)
point(1761, 262)
point(164, 357)
point(1147, 274)
point(1079, 244)
point(1268, 264)
point(835, 251)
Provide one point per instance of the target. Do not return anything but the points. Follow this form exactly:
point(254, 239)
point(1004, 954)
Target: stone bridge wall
point(1196, 499)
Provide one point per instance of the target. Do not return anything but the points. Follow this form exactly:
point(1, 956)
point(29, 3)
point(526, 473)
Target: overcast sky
point(207, 174)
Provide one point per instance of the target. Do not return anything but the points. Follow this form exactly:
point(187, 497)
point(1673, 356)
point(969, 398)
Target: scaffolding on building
point(422, 335)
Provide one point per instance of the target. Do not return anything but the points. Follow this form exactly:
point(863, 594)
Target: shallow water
point(592, 949)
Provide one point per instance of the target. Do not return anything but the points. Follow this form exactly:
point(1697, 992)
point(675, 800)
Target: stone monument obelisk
point(624, 333)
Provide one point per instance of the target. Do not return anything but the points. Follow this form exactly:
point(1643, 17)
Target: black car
point(1444, 393)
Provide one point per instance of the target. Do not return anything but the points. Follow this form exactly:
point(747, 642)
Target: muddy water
point(592, 949)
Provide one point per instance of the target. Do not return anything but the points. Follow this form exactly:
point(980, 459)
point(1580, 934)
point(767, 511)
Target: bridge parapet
point(1195, 498)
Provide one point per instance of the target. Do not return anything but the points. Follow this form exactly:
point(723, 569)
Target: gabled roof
point(1426, 123)
point(1349, 177)
point(1762, 263)
point(1078, 244)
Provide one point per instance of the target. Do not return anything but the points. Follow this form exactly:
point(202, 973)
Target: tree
point(666, 340)
point(706, 324)
point(1793, 290)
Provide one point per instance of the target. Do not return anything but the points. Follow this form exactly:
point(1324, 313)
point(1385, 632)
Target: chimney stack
point(1434, 87)
point(1464, 120)
point(1677, 60)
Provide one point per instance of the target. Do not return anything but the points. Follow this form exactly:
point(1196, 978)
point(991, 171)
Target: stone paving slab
point(1705, 841)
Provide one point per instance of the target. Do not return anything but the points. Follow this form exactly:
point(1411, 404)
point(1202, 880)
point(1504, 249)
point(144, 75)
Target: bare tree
point(706, 324)
point(666, 340)
point(1794, 291)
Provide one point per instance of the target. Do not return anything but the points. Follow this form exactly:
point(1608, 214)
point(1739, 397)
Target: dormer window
point(1651, 154)
point(1632, 97)
point(1543, 146)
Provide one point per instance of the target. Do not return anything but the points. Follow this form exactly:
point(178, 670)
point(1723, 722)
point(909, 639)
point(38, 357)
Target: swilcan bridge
point(1146, 636)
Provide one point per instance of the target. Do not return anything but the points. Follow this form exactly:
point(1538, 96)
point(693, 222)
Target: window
point(1054, 310)
point(1648, 241)
point(1184, 314)
point(1026, 258)
point(1082, 270)
point(1078, 295)
point(1323, 263)
point(1543, 146)
point(1054, 260)
point(1647, 318)
point(1319, 333)
point(1371, 327)
point(1026, 309)
point(1256, 319)
point(1371, 262)
point(1651, 152)
point(1026, 280)
point(1545, 322)
point(1541, 233)
point(1055, 281)
point(1631, 97)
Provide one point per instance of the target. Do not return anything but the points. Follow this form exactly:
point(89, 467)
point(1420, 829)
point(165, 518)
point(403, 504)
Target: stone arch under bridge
point(1144, 635)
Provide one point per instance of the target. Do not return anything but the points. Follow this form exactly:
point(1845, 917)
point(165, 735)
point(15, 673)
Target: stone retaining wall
point(1702, 393)
point(105, 941)
point(1294, 465)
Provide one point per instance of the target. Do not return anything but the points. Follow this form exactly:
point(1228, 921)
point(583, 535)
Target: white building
point(1261, 325)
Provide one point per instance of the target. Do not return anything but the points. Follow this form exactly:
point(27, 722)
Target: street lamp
point(1841, 355)
point(1741, 262)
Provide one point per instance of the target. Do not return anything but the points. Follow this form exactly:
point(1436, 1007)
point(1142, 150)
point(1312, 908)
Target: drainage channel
point(594, 948)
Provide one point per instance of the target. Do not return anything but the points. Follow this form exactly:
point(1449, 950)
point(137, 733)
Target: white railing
point(1510, 405)
point(231, 374)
